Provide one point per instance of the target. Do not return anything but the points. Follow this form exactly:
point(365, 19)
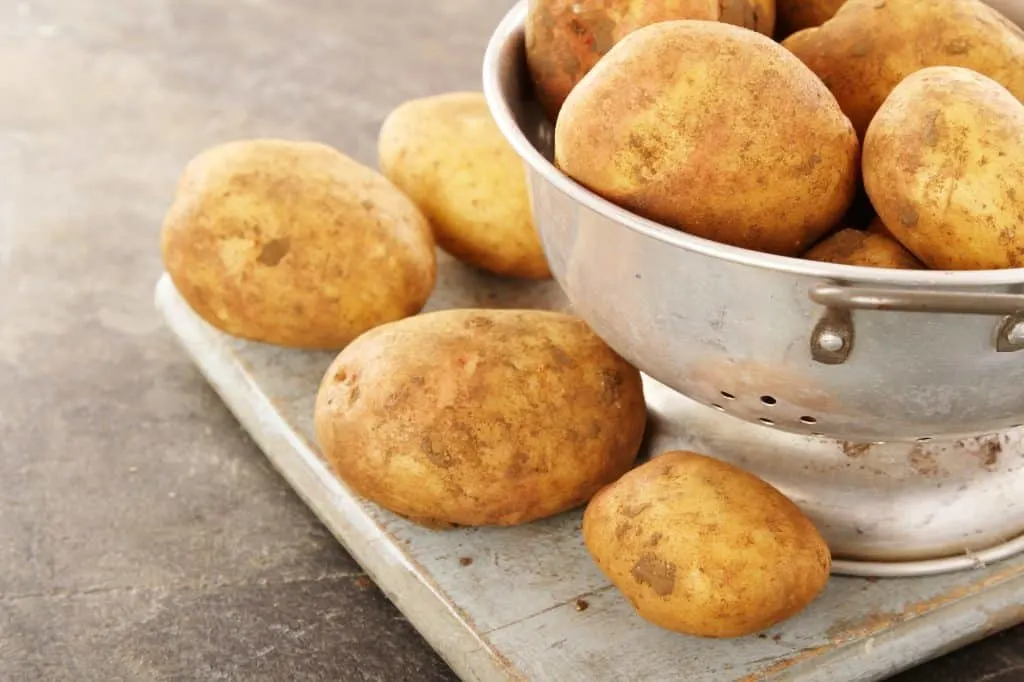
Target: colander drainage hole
point(728, 396)
point(808, 420)
point(718, 407)
point(768, 400)
point(766, 421)
point(924, 439)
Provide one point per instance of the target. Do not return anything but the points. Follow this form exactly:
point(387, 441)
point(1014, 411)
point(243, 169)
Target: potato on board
point(944, 166)
point(295, 244)
point(701, 547)
point(868, 47)
point(565, 38)
point(480, 417)
point(795, 15)
point(713, 130)
point(855, 247)
point(447, 154)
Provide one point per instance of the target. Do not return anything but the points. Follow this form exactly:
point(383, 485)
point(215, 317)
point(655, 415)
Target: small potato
point(295, 244)
point(480, 417)
point(868, 47)
point(944, 167)
point(854, 247)
point(565, 38)
point(714, 130)
point(796, 15)
point(876, 226)
point(701, 547)
point(447, 154)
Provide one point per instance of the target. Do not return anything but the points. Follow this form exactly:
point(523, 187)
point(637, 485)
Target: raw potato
point(714, 130)
point(795, 15)
point(868, 47)
point(447, 154)
point(701, 547)
point(295, 244)
point(480, 417)
point(944, 166)
point(854, 247)
point(565, 38)
point(876, 226)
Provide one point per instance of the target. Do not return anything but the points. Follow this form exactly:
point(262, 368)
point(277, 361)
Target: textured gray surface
point(142, 535)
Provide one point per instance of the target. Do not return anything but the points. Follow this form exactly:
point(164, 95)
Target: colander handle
point(832, 338)
point(916, 300)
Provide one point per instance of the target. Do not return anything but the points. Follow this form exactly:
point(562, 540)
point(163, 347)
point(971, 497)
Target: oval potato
point(295, 244)
point(714, 130)
point(944, 167)
point(565, 38)
point(480, 417)
point(868, 47)
point(854, 247)
point(701, 547)
point(447, 154)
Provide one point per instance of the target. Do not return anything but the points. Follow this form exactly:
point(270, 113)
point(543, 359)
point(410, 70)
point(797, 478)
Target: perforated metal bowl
point(854, 353)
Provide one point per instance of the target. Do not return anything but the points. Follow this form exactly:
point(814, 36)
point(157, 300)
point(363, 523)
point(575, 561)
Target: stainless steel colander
point(853, 353)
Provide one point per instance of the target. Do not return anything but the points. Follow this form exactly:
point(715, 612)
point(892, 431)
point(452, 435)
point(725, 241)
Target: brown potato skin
point(565, 38)
point(854, 247)
point(701, 547)
point(480, 417)
point(796, 15)
point(713, 130)
point(944, 167)
point(868, 47)
point(295, 244)
point(448, 155)
point(876, 226)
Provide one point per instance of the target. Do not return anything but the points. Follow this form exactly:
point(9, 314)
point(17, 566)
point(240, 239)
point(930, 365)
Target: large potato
point(854, 247)
point(714, 130)
point(795, 15)
point(447, 154)
point(565, 38)
point(868, 47)
point(944, 166)
point(701, 547)
point(480, 417)
point(295, 244)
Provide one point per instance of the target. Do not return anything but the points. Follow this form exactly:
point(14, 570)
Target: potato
point(944, 167)
point(714, 130)
point(447, 154)
point(868, 47)
point(853, 247)
point(295, 244)
point(565, 38)
point(480, 417)
point(795, 15)
point(876, 226)
point(701, 547)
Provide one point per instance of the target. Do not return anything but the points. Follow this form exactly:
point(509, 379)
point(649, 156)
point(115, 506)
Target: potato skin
point(868, 47)
point(944, 167)
point(295, 244)
point(480, 417)
point(701, 547)
point(714, 130)
point(796, 15)
point(565, 38)
point(854, 247)
point(448, 155)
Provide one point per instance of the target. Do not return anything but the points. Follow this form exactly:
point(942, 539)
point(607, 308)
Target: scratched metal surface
point(527, 603)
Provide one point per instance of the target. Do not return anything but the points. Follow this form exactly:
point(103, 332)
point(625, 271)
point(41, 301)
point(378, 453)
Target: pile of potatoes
point(692, 115)
point(472, 417)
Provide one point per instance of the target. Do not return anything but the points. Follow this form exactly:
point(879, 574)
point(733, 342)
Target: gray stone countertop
point(142, 534)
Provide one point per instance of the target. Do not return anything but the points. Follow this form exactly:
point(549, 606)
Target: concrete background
point(142, 534)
